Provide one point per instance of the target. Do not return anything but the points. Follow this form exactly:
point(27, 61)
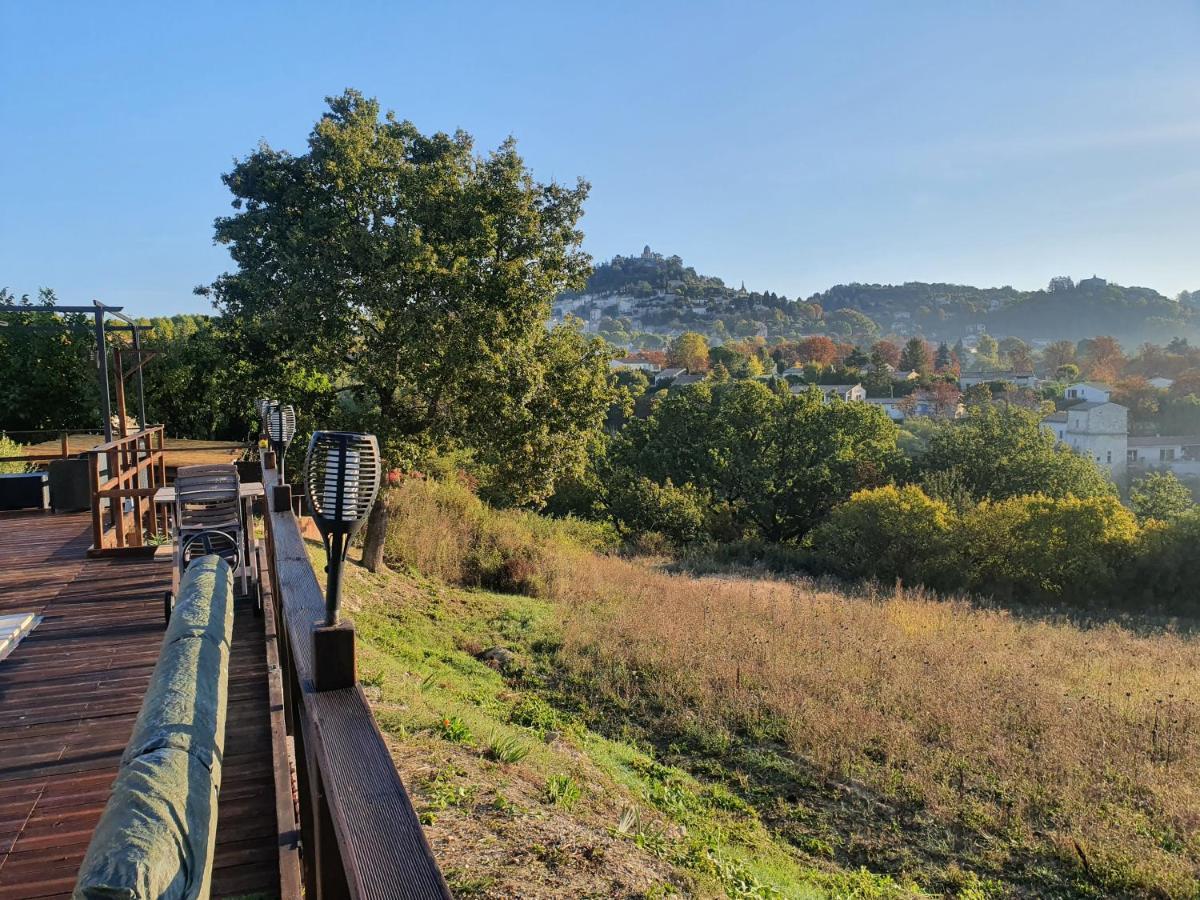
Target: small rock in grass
point(497, 657)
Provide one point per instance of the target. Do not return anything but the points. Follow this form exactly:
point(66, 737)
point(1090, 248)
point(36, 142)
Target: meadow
point(939, 744)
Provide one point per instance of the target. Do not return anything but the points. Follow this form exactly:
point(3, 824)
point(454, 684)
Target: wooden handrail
point(129, 468)
point(360, 836)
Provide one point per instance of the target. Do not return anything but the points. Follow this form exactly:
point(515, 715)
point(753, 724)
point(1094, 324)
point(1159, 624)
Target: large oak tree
point(415, 277)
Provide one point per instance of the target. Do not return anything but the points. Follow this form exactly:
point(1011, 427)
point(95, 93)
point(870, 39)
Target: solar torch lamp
point(264, 411)
point(281, 428)
point(342, 473)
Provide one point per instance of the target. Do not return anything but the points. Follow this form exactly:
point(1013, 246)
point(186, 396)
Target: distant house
point(633, 364)
point(988, 376)
point(1178, 453)
point(1161, 383)
point(1090, 391)
point(1099, 431)
point(688, 378)
point(666, 376)
point(1056, 422)
point(905, 375)
point(794, 372)
point(850, 393)
point(890, 405)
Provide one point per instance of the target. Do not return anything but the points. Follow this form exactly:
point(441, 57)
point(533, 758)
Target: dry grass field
point(1043, 750)
point(966, 750)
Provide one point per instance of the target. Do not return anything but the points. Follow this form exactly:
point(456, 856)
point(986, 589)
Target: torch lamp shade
point(281, 424)
point(342, 473)
point(281, 428)
point(264, 412)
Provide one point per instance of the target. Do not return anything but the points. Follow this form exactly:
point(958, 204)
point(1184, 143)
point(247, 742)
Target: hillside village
point(643, 301)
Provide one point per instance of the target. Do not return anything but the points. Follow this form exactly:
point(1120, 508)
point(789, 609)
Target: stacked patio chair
point(208, 521)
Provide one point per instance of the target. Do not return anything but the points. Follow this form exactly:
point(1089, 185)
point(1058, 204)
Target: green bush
point(1041, 549)
point(9, 447)
point(888, 533)
point(1165, 573)
point(1159, 495)
point(643, 506)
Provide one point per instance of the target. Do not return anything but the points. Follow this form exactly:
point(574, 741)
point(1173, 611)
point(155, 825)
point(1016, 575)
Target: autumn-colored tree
point(1137, 395)
point(1103, 358)
point(886, 351)
point(1187, 383)
point(817, 349)
point(689, 351)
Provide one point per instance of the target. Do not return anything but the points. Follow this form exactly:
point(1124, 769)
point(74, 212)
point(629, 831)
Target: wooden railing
point(124, 474)
point(359, 834)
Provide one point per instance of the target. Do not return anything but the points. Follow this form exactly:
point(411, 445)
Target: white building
point(850, 393)
point(890, 405)
point(1099, 431)
point(1161, 383)
point(633, 364)
point(987, 376)
point(1091, 391)
point(1178, 453)
point(1057, 423)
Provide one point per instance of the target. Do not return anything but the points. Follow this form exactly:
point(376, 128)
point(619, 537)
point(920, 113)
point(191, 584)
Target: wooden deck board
point(69, 694)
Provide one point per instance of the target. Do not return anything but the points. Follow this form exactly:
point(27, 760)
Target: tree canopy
point(410, 279)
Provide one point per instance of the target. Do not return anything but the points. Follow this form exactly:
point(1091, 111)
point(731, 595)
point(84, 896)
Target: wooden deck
point(69, 694)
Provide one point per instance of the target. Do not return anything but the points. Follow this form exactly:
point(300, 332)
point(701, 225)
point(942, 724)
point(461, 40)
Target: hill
point(638, 300)
point(573, 722)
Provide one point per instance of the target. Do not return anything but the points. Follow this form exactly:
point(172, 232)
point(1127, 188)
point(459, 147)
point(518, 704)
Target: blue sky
point(789, 145)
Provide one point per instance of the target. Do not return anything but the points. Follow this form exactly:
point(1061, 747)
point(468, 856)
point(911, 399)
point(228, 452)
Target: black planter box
point(26, 491)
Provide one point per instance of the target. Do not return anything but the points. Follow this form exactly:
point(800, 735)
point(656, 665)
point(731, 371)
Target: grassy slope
point(581, 813)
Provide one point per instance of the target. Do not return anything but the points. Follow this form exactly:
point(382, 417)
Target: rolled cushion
point(186, 700)
point(204, 605)
point(157, 832)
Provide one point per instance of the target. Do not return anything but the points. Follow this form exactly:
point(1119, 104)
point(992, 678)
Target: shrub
point(1001, 452)
point(9, 447)
point(643, 506)
point(534, 712)
point(1041, 549)
point(455, 730)
point(1166, 571)
point(887, 533)
point(1159, 495)
point(562, 790)
point(506, 749)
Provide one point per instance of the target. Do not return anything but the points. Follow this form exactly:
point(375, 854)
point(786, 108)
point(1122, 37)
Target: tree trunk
point(377, 524)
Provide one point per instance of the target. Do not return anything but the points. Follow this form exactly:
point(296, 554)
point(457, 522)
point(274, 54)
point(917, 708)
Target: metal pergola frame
point(98, 311)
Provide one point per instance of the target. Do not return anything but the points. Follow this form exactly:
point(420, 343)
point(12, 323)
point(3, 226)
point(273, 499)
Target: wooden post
point(66, 447)
point(120, 367)
point(97, 517)
point(333, 657)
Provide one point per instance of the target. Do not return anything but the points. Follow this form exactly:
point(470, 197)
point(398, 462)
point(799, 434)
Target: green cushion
point(185, 703)
point(204, 604)
point(157, 832)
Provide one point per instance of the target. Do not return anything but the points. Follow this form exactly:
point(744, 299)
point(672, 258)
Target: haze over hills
point(640, 300)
